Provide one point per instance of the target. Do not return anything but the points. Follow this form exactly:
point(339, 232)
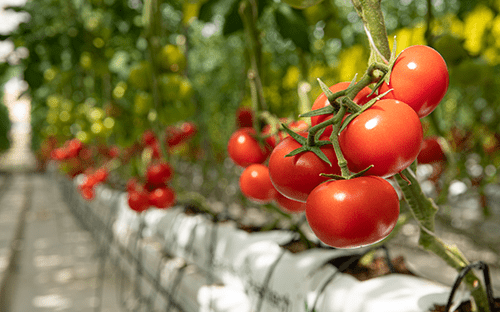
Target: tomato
point(353, 213)
point(101, 174)
point(162, 197)
point(289, 205)
point(178, 135)
point(322, 101)
point(132, 184)
point(388, 136)
point(138, 200)
point(159, 173)
point(244, 149)
point(88, 193)
point(296, 176)
point(148, 138)
point(244, 117)
point(431, 151)
point(418, 78)
point(256, 185)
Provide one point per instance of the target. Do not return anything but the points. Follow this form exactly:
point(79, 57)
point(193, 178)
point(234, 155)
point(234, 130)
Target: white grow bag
point(229, 270)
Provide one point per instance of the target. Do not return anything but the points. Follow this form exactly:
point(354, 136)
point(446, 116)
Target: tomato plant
point(418, 78)
point(388, 136)
point(353, 213)
point(244, 149)
point(159, 173)
point(256, 185)
point(296, 176)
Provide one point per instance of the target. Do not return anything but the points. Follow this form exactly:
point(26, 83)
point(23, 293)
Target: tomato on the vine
point(244, 149)
point(418, 78)
point(159, 173)
point(388, 136)
point(256, 185)
point(289, 205)
point(162, 197)
point(273, 140)
point(431, 151)
point(296, 176)
point(322, 101)
point(138, 200)
point(353, 213)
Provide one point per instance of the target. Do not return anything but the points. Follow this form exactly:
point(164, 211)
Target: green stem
point(373, 19)
point(334, 138)
point(424, 210)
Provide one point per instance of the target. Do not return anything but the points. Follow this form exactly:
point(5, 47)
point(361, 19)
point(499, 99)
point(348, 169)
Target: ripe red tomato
point(101, 174)
point(431, 151)
point(138, 200)
point(288, 205)
point(162, 197)
point(177, 135)
point(419, 78)
point(256, 185)
point(88, 193)
point(244, 117)
point(159, 173)
point(148, 138)
point(353, 213)
point(322, 101)
point(244, 149)
point(388, 135)
point(296, 176)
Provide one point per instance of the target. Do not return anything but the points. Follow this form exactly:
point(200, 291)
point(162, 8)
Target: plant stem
point(334, 138)
point(373, 19)
point(424, 210)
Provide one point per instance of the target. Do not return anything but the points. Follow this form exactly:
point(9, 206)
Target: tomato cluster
point(374, 133)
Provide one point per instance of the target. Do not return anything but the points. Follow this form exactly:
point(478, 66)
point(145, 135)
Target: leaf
point(347, 121)
point(232, 20)
point(321, 111)
point(297, 151)
point(293, 25)
point(316, 150)
point(297, 137)
point(207, 11)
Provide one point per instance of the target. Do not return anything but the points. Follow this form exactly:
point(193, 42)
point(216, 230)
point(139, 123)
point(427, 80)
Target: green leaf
point(316, 150)
point(347, 121)
point(297, 137)
point(322, 111)
point(207, 11)
point(293, 25)
point(233, 22)
point(297, 151)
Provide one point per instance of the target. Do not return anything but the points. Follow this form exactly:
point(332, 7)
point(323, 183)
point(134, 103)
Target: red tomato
point(353, 213)
point(148, 138)
point(88, 193)
point(132, 184)
point(296, 176)
point(322, 101)
point(178, 135)
point(162, 197)
point(256, 185)
point(244, 149)
point(159, 173)
point(419, 78)
point(289, 205)
point(431, 151)
point(388, 136)
point(244, 117)
point(101, 174)
point(138, 200)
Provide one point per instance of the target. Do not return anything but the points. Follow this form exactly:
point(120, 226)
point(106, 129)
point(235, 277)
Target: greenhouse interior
point(225, 155)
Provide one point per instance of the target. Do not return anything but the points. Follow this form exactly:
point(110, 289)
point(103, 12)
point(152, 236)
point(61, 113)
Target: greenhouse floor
point(47, 261)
